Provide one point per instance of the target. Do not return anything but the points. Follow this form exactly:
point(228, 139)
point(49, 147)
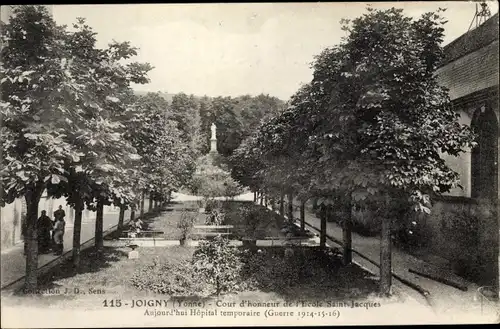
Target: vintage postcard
point(241, 164)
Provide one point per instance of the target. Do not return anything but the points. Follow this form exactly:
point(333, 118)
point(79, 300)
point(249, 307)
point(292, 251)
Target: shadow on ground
point(91, 261)
point(312, 274)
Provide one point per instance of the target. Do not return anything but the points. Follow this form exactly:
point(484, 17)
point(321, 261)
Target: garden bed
point(249, 221)
point(167, 222)
point(267, 274)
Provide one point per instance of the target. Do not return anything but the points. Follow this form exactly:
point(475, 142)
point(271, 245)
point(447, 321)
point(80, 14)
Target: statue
point(213, 140)
point(213, 131)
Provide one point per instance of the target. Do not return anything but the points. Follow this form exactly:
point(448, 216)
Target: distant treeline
point(236, 118)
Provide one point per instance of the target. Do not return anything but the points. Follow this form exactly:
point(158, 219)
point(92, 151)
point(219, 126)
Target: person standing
point(58, 234)
point(59, 213)
point(44, 226)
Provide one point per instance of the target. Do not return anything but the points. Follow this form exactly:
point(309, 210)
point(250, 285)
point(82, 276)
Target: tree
point(36, 100)
point(237, 118)
point(206, 119)
point(185, 111)
point(60, 94)
point(373, 122)
point(167, 158)
point(390, 120)
point(100, 137)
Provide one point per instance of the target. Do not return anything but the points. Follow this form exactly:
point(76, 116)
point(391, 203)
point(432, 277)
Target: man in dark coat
point(44, 227)
point(59, 213)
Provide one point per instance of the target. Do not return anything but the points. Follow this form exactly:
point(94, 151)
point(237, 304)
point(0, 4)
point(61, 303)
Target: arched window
point(484, 157)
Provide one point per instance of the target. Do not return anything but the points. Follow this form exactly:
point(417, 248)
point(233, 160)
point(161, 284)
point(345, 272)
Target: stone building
point(463, 227)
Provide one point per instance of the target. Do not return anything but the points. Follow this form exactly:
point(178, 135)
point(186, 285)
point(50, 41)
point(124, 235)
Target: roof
point(473, 40)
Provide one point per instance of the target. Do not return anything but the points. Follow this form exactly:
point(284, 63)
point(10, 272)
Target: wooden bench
point(212, 230)
point(143, 234)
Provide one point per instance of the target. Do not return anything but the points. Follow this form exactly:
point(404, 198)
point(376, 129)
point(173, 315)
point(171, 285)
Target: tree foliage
point(370, 127)
point(373, 119)
point(72, 126)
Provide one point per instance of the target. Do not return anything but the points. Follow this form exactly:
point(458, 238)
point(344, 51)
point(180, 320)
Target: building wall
point(473, 72)
point(11, 217)
point(463, 230)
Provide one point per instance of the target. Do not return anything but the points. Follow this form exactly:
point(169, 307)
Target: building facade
point(463, 227)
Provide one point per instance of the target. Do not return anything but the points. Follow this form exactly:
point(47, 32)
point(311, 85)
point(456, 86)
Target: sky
point(241, 48)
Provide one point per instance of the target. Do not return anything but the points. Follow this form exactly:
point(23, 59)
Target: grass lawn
point(108, 275)
point(167, 221)
point(249, 221)
point(253, 221)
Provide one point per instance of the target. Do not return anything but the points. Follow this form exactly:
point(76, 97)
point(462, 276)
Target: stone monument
point(213, 139)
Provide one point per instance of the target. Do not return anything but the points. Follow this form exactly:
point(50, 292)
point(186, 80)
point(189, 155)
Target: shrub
point(215, 218)
point(249, 220)
point(365, 221)
point(218, 264)
point(211, 204)
point(231, 188)
point(186, 223)
point(272, 270)
point(460, 228)
point(213, 179)
point(174, 279)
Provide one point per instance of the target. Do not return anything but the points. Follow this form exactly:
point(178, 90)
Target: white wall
point(461, 164)
point(10, 217)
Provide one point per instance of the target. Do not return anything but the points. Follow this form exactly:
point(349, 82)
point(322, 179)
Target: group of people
point(51, 233)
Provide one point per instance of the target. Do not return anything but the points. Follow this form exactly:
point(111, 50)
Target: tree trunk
point(142, 205)
point(121, 218)
point(132, 213)
point(33, 195)
point(255, 196)
point(99, 240)
point(303, 215)
point(322, 233)
point(150, 206)
point(282, 204)
point(77, 228)
point(261, 198)
point(385, 254)
point(347, 232)
point(290, 207)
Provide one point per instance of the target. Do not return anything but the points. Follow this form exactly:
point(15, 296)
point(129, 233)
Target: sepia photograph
point(249, 164)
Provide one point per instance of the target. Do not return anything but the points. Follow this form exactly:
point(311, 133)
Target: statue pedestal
point(213, 145)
